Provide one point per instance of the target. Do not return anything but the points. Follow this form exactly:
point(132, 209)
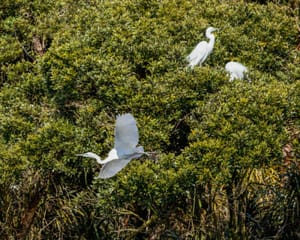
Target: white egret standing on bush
point(202, 50)
point(125, 147)
point(236, 70)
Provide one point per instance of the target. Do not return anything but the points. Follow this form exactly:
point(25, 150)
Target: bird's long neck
point(102, 161)
point(211, 38)
point(98, 159)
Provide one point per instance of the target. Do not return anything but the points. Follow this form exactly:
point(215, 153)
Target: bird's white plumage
point(236, 70)
point(125, 149)
point(126, 134)
point(90, 155)
point(113, 167)
point(202, 50)
point(199, 54)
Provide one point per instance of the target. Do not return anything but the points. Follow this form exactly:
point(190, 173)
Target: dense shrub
point(227, 153)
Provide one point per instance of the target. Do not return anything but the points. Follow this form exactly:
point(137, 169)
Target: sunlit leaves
point(214, 141)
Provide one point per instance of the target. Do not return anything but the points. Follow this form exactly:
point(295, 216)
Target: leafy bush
point(68, 69)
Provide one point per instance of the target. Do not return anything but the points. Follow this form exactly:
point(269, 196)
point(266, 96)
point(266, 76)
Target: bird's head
point(209, 30)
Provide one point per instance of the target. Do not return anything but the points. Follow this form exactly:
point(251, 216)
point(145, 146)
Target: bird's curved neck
point(211, 38)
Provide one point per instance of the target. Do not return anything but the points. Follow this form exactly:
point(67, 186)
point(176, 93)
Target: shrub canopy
point(227, 153)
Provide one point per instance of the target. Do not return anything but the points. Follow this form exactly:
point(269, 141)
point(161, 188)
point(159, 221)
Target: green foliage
point(67, 70)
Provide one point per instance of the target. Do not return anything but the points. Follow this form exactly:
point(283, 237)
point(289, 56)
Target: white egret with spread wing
point(125, 147)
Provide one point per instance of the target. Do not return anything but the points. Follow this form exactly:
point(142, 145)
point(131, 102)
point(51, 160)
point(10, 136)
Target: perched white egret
point(125, 147)
point(236, 70)
point(202, 50)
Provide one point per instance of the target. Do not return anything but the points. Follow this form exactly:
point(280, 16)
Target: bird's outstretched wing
point(199, 54)
point(113, 167)
point(126, 134)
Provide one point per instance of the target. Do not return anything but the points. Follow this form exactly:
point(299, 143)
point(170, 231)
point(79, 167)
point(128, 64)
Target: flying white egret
point(202, 50)
point(125, 147)
point(236, 70)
